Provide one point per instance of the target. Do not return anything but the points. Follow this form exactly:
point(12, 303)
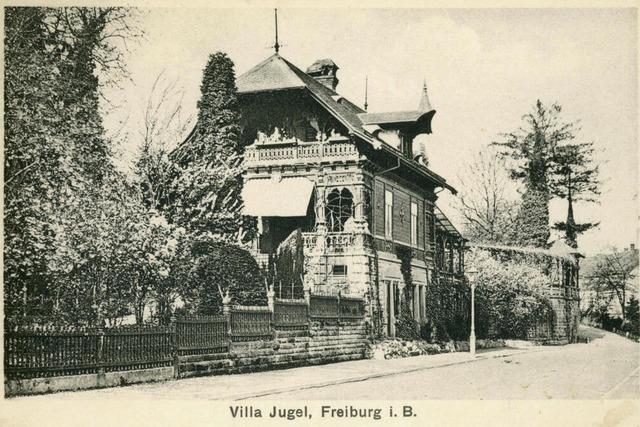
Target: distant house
point(593, 293)
point(350, 181)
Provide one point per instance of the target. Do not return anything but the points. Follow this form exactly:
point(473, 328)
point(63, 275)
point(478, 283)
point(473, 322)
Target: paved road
point(605, 368)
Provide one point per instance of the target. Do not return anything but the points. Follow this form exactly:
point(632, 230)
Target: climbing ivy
point(447, 310)
point(406, 326)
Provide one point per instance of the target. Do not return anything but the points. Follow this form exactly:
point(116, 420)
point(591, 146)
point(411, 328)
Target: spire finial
point(276, 46)
point(425, 105)
point(366, 92)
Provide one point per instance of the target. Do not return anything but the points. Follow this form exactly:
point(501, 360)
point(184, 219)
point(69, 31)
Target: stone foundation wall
point(86, 381)
point(567, 315)
point(322, 343)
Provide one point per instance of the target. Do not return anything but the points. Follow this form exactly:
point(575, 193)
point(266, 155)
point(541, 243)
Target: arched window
point(339, 209)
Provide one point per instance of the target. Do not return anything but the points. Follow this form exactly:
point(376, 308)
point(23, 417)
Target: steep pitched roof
point(419, 120)
point(270, 74)
point(276, 73)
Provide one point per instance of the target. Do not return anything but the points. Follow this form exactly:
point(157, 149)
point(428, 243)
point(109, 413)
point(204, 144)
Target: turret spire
point(425, 105)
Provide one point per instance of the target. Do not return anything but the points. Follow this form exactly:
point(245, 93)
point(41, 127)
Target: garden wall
point(287, 333)
point(323, 330)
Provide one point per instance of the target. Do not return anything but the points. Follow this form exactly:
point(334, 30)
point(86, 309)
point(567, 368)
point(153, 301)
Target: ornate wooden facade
point(349, 181)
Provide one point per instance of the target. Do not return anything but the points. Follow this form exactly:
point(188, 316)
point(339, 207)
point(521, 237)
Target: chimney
point(324, 71)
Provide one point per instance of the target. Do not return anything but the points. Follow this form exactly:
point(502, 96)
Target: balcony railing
point(335, 243)
point(300, 153)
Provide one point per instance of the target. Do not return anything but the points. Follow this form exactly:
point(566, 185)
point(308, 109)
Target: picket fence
point(36, 352)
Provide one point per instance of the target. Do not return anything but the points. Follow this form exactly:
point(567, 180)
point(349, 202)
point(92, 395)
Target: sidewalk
point(263, 384)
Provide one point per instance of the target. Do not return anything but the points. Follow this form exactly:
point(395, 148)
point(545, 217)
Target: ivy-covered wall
point(448, 310)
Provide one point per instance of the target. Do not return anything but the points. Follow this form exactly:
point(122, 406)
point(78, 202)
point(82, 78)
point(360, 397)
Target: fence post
point(339, 312)
point(307, 297)
point(226, 311)
point(271, 295)
point(100, 359)
point(174, 347)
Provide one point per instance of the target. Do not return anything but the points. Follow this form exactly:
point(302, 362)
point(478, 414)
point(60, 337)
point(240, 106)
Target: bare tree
point(484, 204)
point(612, 274)
point(164, 124)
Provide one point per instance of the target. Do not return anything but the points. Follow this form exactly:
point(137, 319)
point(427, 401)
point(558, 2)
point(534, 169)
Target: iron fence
point(324, 307)
point(249, 323)
point(350, 308)
point(34, 352)
point(290, 314)
point(202, 335)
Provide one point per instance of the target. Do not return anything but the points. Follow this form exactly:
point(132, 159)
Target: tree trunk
point(570, 232)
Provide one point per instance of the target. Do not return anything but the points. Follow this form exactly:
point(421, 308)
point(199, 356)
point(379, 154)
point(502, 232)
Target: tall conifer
point(206, 189)
point(531, 150)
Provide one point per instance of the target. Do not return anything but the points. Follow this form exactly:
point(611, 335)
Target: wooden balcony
point(300, 153)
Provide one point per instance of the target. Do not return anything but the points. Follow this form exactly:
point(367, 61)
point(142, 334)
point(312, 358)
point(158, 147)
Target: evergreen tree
point(206, 189)
point(531, 225)
point(37, 168)
point(54, 144)
point(531, 149)
point(575, 177)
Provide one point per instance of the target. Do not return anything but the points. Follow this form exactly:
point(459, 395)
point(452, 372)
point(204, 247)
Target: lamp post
point(471, 276)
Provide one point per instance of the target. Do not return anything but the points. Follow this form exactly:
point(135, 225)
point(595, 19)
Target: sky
point(484, 69)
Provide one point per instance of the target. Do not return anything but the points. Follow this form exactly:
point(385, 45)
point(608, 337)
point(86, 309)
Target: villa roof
point(276, 73)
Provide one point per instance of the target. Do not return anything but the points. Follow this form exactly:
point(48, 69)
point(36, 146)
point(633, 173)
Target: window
point(339, 209)
point(414, 223)
point(388, 214)
point(339, 270)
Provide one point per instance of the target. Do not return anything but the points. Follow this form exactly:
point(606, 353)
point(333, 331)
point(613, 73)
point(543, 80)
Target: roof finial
point(366, 92)
point(425, 105)
point(276, 46)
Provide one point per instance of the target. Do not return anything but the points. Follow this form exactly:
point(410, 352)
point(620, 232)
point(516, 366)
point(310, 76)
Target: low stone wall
point(86, 381)
point(323, 342)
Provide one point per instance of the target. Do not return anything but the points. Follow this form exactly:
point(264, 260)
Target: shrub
point(510, 296)
point(288, 267)
point(219, 267)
